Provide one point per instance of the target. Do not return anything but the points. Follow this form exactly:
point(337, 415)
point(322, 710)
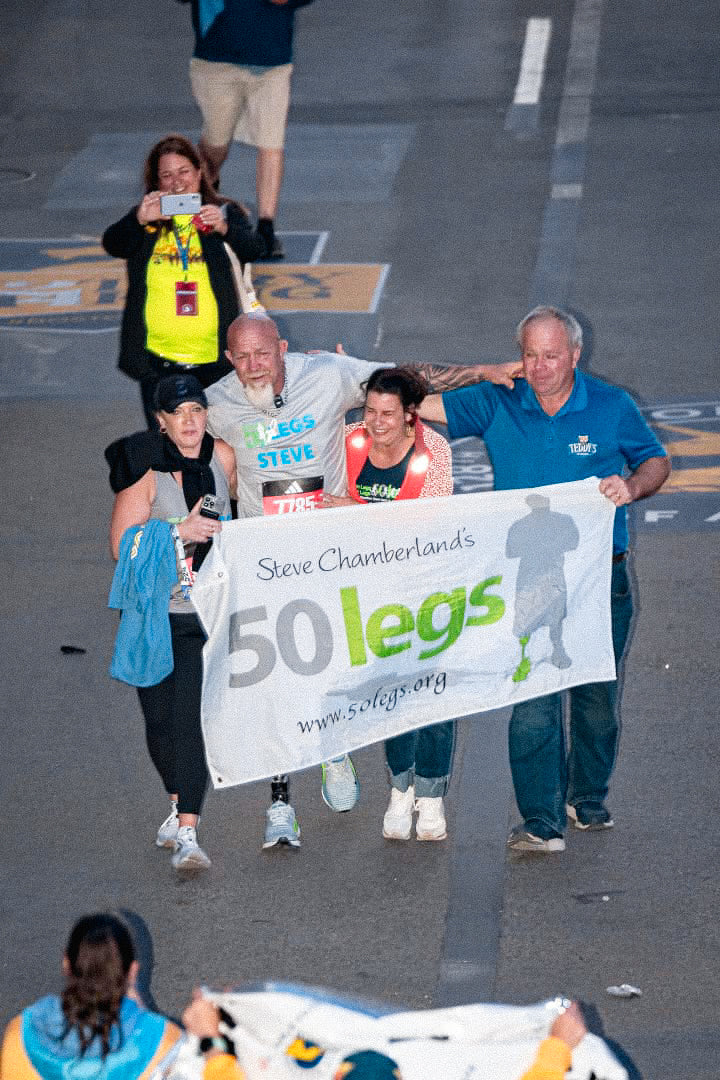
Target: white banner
point(284, 1032)
point(329, 630)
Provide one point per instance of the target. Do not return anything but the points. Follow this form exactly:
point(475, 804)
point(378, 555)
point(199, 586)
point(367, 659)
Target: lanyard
point(183, 572)
point(183, 249)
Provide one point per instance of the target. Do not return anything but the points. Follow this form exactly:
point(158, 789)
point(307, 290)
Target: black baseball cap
point(173, 390)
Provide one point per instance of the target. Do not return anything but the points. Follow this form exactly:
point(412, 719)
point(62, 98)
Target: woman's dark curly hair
point(178, 144)
point(99, 953)
point(405, 382)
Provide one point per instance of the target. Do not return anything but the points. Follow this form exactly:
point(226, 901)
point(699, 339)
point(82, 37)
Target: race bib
point(292, 496)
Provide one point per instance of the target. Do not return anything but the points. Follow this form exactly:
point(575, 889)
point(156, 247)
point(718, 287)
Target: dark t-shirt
point(382, 485)
point(248, 32)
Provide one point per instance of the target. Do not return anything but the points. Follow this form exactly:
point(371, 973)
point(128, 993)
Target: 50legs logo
point(389, 630)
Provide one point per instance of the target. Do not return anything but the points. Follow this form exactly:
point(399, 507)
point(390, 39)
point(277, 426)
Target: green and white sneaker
point(340, 786)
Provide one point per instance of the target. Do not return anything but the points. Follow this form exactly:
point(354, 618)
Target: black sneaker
point(590, 817)
point(521, 839)
point(273, 247)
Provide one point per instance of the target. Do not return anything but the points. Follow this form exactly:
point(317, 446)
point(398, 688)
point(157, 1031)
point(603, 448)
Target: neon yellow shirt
point(189, 338)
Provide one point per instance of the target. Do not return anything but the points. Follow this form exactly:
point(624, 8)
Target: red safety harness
point(357, 446)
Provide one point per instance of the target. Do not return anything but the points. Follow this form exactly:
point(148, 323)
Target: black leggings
point(172, 718)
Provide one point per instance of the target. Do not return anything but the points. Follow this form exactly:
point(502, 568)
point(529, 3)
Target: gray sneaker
point(340, 786)
point(188, 855)
point(521, 839)
point(592, 818)
point(281, 826)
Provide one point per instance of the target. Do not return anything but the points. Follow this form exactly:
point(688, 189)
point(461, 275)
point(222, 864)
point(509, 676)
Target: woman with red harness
point(392, 455)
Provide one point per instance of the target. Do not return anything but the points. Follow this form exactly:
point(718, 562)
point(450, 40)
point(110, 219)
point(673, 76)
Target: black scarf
point(131, 457)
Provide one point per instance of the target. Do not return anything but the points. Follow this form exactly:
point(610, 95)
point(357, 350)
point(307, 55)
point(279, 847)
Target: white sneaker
point(167, 833)
point(397, 823)
point(431, 824)
point(188, 855)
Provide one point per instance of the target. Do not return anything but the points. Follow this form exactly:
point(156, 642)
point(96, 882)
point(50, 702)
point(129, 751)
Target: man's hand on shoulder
point(500, 374)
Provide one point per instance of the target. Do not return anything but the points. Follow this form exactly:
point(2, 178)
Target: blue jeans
point(422, 758)
point(545, 774)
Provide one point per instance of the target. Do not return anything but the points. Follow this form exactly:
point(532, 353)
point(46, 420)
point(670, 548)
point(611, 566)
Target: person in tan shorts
point(240, 76)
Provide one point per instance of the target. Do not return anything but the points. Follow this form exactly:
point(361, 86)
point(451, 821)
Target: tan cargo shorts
point(237, 104)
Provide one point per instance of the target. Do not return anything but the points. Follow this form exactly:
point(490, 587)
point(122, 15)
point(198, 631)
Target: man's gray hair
point(573, 328)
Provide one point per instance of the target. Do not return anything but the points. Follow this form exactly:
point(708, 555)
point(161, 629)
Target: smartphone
point(170, 205)
point(212, 506)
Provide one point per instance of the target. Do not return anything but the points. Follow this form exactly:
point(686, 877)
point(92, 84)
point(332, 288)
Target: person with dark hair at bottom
point(393, 455)
point(181, 294)
point(163, 476)
point(98, 1026)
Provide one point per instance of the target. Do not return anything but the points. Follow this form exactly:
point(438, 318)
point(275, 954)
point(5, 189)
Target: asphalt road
point(601, 195)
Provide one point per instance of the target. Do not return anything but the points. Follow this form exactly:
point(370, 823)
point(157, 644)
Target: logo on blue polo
point(583, 447)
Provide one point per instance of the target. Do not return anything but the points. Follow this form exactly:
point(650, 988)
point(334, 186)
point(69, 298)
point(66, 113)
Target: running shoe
point(586, 817)
point(167, 833)
point(281, 826)
point(340, 787)
point(521, 839)
point(431, 824)
point(397, 823)
point(188, 855)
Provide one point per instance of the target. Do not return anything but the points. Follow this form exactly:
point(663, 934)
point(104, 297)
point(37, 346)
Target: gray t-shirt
point(305, 437)
point(169, 505)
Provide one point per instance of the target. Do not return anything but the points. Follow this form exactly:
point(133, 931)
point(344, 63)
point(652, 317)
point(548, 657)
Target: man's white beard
point(262, 397)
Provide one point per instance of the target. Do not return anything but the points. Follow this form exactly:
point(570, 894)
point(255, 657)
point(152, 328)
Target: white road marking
point(566, 191)
point(532, 63)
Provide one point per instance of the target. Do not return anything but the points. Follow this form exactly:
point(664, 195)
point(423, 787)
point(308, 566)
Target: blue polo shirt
point(598, 432)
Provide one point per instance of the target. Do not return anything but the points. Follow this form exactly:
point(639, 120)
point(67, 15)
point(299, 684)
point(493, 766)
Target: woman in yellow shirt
point(181, 294)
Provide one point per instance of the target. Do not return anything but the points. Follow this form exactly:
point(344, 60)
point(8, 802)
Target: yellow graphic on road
point(71, 289)
point(324, 287)
point(78, 286)
point(692, 443)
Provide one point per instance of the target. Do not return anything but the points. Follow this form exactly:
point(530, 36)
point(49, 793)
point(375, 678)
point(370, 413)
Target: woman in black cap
point(164, 475)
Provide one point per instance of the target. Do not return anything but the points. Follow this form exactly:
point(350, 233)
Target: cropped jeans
point(546, 774)
point(422, 758)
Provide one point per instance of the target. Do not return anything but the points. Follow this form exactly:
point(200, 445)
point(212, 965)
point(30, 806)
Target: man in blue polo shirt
point(562, 425)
